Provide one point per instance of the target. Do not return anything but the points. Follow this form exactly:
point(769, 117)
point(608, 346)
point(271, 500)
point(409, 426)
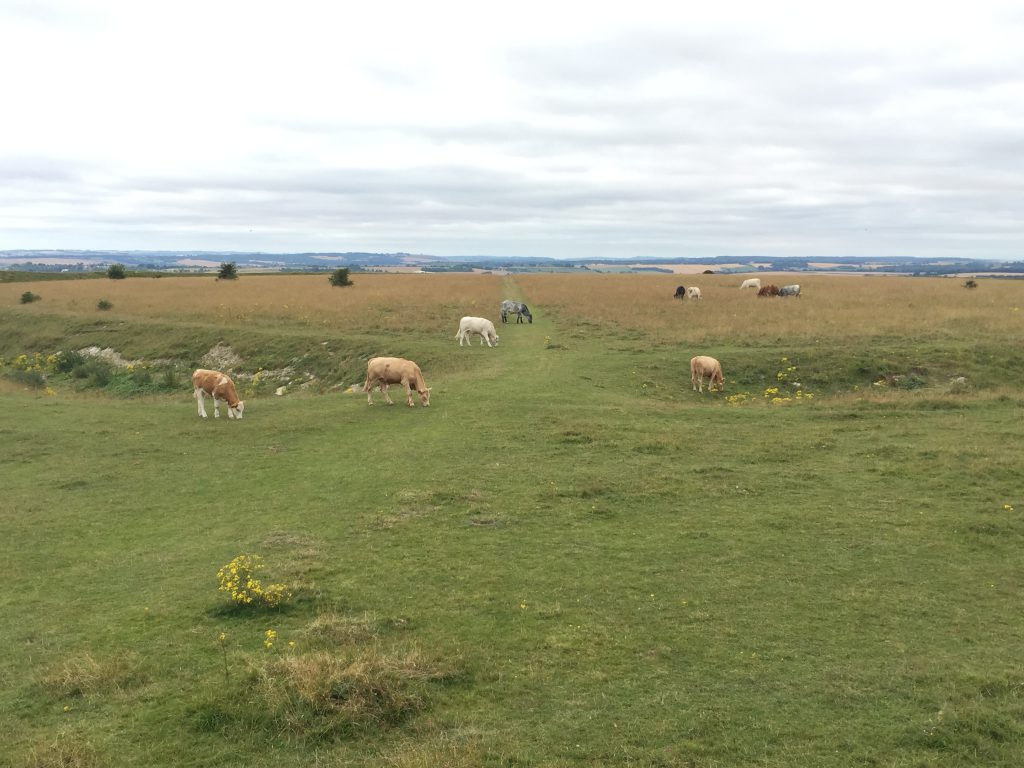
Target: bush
point(339, 277)
point(97, 371)
point(33, 379)
point(28, 297)
point(103, 305)
point(116, 272)
point(238, 580)
point(228, 271)
point(67, 362)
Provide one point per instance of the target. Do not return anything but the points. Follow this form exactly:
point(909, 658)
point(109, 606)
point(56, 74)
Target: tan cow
point(219, 386)
point(702, 366)
point(383, 371)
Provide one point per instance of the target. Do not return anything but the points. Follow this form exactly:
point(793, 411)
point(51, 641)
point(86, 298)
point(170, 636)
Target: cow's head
point(424, 396)
point(495, 339)
point(235, 411)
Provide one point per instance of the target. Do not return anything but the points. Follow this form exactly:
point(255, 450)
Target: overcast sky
point(562, 129)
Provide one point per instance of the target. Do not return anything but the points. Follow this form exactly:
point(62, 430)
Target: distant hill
point(87, 261)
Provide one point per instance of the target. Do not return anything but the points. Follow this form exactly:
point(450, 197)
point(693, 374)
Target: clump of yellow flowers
point(238, 580)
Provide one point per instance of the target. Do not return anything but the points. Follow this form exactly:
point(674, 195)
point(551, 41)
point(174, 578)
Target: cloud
point(790, 129)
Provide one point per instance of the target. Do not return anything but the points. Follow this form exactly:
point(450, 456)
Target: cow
point(470, 325)
point(790, 290)
point(769, 291)
point(516, 308)
point(701, 366)
point(219, 386)
point(693, 293)
point(384, 371)
point(680, 292)
point(751, 282)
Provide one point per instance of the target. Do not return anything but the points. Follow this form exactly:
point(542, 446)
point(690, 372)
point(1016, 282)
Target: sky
point(561, 129)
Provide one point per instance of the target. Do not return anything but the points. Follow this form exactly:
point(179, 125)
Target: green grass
point(568, 559)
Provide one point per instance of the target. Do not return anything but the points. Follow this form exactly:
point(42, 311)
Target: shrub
point(103, 305)
point(169, 379)
point(66, 362)
point(228, 271)
point(28, 297)
point(238, 580)
point(339, 277)
point(97, 371)
point(116, 272)
point(33, 379)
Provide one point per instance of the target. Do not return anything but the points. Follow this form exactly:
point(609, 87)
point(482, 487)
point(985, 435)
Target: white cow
point(693, 293)
point(790, 290)
point(470, 325)
point(751, 282)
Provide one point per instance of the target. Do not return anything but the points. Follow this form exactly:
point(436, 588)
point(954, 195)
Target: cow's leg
point(216, 407)
point(369, 392)
point(384, 387)
point(200, 396)
point(484, 337)
point(408, 393)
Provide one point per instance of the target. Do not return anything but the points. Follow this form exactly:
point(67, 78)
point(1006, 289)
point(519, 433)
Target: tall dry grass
point(831, 307)
point(381, 301)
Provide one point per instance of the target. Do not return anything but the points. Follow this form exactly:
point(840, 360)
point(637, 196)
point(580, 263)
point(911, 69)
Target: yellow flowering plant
point(238, 580)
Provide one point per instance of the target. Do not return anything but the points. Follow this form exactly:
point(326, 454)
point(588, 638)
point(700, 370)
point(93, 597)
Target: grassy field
point(569, 559)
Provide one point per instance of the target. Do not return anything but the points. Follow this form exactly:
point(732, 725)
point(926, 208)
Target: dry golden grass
point(321, 691)
point(385, 301)
point(81, 674)
point(831, 307)
point(67, 750)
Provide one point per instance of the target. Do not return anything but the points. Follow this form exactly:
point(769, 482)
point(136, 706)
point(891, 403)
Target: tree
point(228, 271)
point(339, 277)
point(116, 272)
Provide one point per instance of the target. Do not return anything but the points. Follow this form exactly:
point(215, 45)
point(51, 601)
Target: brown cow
point(382, 371)
point(219, 386)
point(702, 366)
point(768, 290)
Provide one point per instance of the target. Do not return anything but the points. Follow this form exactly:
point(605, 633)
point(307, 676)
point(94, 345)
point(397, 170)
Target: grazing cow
point(693, 293)
point(219, 386)
point(702, 366)
point(790, 290)
point(768, 290)
point(470, 325)
point(516, 308)
point(752, 282)
point(384, 371)
point(680, 292)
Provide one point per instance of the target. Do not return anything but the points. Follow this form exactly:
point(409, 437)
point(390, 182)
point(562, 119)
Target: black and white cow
point(790, 290)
